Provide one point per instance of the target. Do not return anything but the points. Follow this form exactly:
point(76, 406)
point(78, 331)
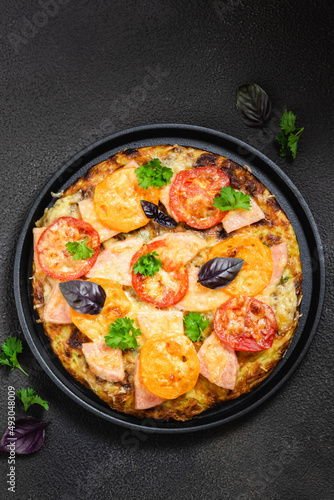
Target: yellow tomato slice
point(116, 306)
point(117, 201)
point(169, 366)
point(257, 269)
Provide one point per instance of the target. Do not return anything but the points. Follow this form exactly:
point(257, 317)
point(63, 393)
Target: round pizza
point(168, 280)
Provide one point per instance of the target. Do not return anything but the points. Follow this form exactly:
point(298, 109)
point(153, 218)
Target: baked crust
point(66, 340)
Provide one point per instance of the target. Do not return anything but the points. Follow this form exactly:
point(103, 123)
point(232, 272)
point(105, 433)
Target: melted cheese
point(284, 303)
point(64, 207)
point(180, 248)
point(160, 322)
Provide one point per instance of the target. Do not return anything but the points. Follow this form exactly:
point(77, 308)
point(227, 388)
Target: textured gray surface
point(84, 73)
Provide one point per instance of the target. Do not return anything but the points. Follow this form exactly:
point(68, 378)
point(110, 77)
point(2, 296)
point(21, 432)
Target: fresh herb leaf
point(11, 348)
point(150, 209)
point(122, 334)
point(28, 398)
point(293, 141)
point(79, 249)
point(27, 433)
point(287, 122)
point(219, 272)
point(254, 105)
point(153, 174)
point(195, 323)
point(283, 280)
point(147, 264)
point(283, 141)
point(166, 220)
point(229, 199)
point(290, 135)
point(85, 297)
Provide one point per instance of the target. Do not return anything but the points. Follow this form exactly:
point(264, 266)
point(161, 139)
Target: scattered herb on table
point(290, 135)
point(79, 249)
point(147, 264)
point(26, 435)
point(195, 323)
point(28, 398)
point(153, 174)
point(123, 334)
point(10, 349)
point(229, 199)
point(254, 105)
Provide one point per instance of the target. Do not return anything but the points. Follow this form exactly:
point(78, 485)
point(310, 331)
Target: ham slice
point(114, 262)
point(235, 219)
point(201, 299)
point(144, 399)
point(104, 362)
point(218, 362)
point(279, 255)
point(164, 198)
point(37, 231)
point(88, 214)
point(56, 308)
point(160, 323)
point(180, 249)
point(131, 164)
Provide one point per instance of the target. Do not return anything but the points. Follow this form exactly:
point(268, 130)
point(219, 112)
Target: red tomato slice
point(53, 257)
point(192, 193)
point(165, 288)
point(245, 324)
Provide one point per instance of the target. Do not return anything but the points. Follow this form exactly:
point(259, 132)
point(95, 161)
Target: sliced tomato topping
point(258, 266)
point(192, 193)
point(166, 287)
point(169, 366)
point(245, 324)
point(117, 200)
point(53, 257)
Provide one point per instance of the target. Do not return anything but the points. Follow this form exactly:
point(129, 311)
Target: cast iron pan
point(287, 195)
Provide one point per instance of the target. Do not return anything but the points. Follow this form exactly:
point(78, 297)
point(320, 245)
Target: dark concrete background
point(75, 75)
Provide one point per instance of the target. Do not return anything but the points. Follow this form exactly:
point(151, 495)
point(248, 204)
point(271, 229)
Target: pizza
point(168, 280)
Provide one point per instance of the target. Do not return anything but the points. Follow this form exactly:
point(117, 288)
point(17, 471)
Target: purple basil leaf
point(253, 104)
point(219, 272)
point(165, 220)
point(29, 433)
point(150, 209)
point(85, 297)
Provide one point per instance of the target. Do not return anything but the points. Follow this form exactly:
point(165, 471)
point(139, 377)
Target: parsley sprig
point(195, 323)
point(290, 135)
point(229, 199)
point(79, 249)
point(153, 174)
point(28, 398)
point(147, 264)
point(10, 349)
point(123, 334)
